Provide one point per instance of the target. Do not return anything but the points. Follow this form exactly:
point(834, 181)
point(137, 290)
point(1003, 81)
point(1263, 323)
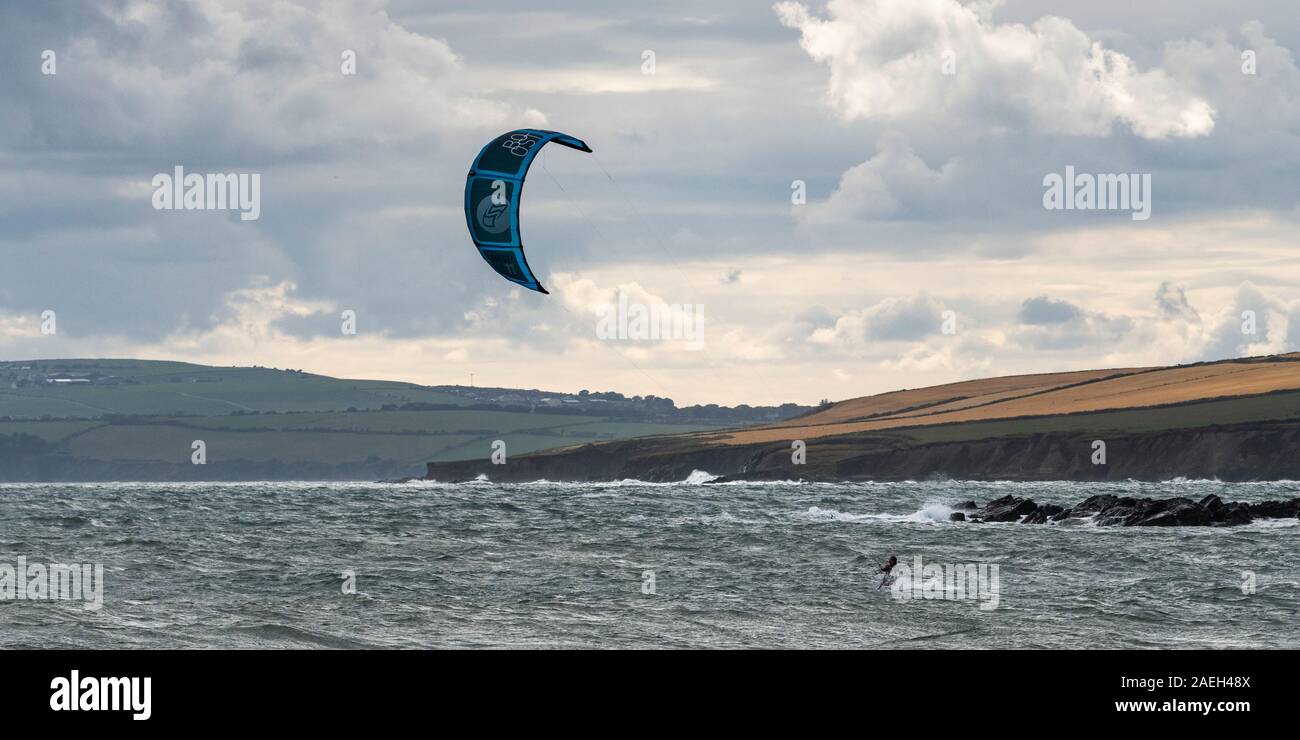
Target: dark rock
point(1008, 509)
point(1127, 511)
point(1179, 513)
point(1214, 508)
point(1275, 509)
point(1235, 513)
point(1093, 504)
point(966, 505)
point(1042, 514)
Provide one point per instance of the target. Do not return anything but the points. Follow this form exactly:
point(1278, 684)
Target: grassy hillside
point(1056, 396)
point(179, 388)
point(147, 412)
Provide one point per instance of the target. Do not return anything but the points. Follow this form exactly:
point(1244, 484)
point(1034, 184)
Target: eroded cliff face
point(1234, 453)
point(1230, 454)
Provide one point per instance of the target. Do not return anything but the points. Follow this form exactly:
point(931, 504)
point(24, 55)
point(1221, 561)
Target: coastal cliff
point(1234, 420)
point(1236, 453)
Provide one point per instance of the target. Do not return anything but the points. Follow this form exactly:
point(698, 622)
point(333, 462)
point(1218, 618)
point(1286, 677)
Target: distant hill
point(121, 419)
point(1235, 419)
point(1048, 395)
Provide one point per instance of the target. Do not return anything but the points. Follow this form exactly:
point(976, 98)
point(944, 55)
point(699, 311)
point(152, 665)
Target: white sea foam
point(1273, 523)
point(930, 513)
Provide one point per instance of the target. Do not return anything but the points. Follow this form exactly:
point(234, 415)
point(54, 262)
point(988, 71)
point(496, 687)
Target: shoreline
point(1236, 453)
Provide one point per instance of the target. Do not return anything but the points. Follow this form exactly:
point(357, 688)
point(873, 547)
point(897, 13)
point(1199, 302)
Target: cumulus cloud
point(1041, 310)
point(1247, 321)
point(243, 77)
point(1253, 323)
point(924, 189)
point(968, 354)
point(895, 183)
point(1172, 303)
point(897, 318)
point(886, 58)
point(1259, 108)
point(1054, 324)
point(253, 315)
point(901, 334)
point(682, 327)
point(14, 328)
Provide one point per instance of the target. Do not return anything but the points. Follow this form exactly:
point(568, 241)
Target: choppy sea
point(635, 565)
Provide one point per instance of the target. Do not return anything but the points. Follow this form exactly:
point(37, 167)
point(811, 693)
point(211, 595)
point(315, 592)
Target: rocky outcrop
point(1007, 509)
point(1041, 514)
point(1107, 510)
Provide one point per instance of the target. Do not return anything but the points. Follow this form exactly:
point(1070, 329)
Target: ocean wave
point(1270, 524)
point(699, 476)
point(930, 513)
point(696, 478)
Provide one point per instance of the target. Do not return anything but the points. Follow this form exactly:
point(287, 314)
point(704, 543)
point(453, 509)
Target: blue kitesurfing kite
point(492, 192)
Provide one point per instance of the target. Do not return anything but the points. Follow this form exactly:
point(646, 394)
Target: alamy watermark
point(1103, 192)
point(103, 694)
point(948, 581)
point(53, 582)
point(655, 321)
point(213, 191)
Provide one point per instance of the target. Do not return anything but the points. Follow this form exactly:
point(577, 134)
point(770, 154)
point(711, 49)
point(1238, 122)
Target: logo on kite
point(492, 199)
point(520, 144)
point(495, 217)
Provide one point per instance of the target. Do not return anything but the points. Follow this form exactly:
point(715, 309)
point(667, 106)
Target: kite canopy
point(492, 192)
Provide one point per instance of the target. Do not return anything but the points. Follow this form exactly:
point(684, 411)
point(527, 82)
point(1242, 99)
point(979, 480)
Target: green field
point(335, 438)
point(154, 411)
point(178, 388)
point(50, 431)
point(394, 422)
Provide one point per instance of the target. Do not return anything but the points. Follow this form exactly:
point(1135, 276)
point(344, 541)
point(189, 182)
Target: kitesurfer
point(886, 568)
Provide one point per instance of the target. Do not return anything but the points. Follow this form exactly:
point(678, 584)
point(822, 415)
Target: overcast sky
point(924, 187)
